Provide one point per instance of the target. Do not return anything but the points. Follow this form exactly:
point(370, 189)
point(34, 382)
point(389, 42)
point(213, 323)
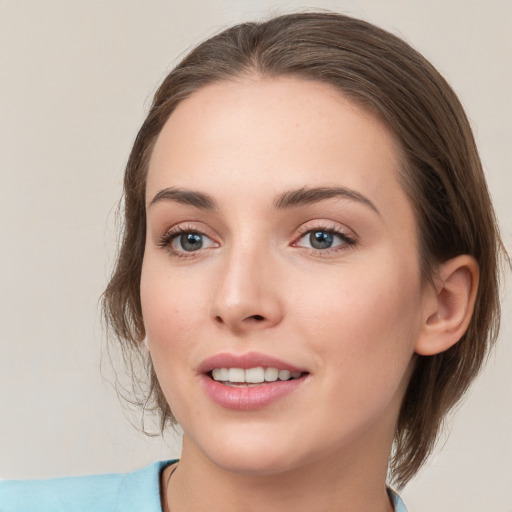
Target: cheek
point(364, 348)
point(168, 313)
point(365, 324)
point(173, 318)
point(172, 321)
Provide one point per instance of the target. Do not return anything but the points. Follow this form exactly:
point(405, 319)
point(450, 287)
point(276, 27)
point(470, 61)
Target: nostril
point(258, 318)
point(218, 319)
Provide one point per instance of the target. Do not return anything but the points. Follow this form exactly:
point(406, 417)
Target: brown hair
point(441, 173)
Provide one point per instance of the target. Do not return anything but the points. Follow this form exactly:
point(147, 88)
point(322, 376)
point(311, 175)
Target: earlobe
point(450, 306)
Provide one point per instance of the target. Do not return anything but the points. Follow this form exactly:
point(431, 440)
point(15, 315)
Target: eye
point(181, 241)
point(190, 242)
point(324, 239)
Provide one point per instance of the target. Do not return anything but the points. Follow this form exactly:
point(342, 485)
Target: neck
point(330, 483)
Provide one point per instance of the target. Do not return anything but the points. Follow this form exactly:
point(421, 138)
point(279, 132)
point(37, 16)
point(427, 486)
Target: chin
point(256, 454)
point(253, 464)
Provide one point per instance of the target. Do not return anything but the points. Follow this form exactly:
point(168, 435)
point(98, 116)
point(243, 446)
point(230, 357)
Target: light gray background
point(75, 82)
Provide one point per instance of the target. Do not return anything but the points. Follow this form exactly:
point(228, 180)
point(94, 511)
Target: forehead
point(259, 136)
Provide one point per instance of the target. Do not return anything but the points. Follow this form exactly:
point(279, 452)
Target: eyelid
point(326, 225)
point(349, 237)
point(166, 240)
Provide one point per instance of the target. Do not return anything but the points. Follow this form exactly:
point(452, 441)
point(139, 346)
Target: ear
point(449, 306)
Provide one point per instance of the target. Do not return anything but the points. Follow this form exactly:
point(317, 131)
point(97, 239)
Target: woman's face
point(280, 244)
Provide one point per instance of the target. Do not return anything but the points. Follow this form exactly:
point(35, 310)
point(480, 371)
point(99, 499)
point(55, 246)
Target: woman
point(310, 260)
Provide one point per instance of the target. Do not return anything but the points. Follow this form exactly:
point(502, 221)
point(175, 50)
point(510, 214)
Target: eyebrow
point(305, 195)
point(286, 200)
point(185, 196)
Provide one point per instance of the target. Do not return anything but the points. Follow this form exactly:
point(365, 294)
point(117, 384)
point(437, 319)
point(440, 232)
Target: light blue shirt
point(138, 491)
point(397, 502)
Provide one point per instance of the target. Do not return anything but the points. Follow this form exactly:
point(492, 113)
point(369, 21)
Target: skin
point(352, 316)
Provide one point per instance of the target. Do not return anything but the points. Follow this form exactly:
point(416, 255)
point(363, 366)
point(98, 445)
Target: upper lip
point(245, 361)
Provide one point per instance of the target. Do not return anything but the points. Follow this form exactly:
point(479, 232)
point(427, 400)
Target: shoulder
point(397, 501)
point(135, 491)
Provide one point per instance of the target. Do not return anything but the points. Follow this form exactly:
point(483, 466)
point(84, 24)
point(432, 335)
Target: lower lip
point(249, 397)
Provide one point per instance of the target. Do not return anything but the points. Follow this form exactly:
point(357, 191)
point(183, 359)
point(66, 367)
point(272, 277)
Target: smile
point(250, 381)
point(257, 375)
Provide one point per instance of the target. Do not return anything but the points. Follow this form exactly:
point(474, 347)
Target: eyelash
point(172, 234)
point(349, 241)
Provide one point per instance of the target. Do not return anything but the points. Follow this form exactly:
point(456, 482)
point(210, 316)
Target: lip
point(243, 397)
point(245, 361)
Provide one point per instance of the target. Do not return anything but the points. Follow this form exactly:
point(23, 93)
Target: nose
point(247, 296)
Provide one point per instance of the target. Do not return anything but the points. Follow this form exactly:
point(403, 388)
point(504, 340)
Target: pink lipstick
point(249, 381)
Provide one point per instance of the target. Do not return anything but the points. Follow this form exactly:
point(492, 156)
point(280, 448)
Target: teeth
point(221, 374)
point(271, 374)
point(236, 375)
point(252, 375)
point(284, 374)
point(255, 375)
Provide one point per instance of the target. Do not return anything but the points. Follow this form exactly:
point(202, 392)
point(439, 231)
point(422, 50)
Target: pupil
point(191, 241)
point(320, 239)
